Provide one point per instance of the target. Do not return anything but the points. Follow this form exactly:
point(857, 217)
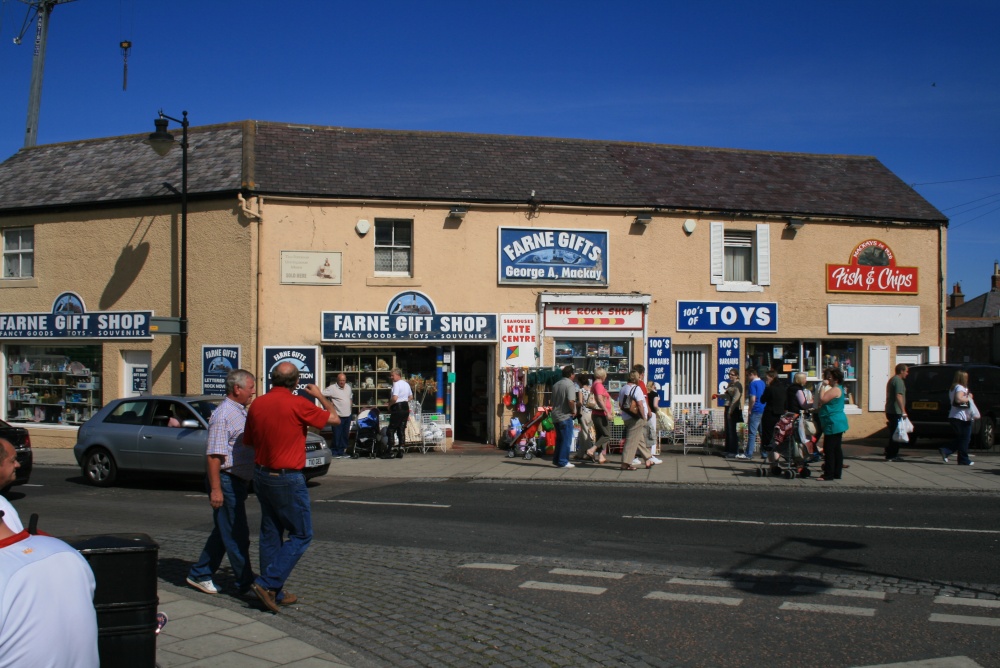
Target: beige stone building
point(468, 261)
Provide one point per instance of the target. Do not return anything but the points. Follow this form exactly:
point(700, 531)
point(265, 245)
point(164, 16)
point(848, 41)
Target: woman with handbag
point(834, 422)
point(960, 416)
point(734, 412)
point(632, 402)
point(599, 403)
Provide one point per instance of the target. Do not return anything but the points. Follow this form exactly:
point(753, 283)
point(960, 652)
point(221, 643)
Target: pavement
point(223, 631)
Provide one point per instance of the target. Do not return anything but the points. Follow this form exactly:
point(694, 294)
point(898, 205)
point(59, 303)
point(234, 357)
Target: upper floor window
point(741, 259)
point(19, 252)
point(394, 247)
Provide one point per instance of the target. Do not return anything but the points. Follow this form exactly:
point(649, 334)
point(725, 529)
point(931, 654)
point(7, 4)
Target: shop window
point(19, 252)
point(741, 259)
point(394, 247)
point(53, 384)
point(587, 356)
point(788, 357)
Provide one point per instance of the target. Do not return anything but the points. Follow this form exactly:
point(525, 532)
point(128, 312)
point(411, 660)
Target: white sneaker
point(568, 465)
point(636, 462)
point(656, 460)
point(206, 586)
point(741, 456)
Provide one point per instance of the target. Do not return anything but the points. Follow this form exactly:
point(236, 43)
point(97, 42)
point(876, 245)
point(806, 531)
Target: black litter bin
point(124, 566)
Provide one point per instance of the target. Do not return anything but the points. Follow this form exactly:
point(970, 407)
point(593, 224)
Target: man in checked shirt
point(230, 470)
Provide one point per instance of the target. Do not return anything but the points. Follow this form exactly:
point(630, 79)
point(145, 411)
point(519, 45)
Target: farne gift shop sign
point(872, 269)
point(69, 319)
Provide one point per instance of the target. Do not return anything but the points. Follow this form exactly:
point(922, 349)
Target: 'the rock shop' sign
point(872, 268)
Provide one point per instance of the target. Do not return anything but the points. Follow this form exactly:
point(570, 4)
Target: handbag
point(973, 410)
point(631, 406)
point(592, 402)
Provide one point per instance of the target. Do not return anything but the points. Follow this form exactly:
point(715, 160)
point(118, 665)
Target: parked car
point(19, 438)
point(927, 401)
point(160, 434)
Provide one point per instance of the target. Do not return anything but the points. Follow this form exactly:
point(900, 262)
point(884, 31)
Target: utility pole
point(43, 9)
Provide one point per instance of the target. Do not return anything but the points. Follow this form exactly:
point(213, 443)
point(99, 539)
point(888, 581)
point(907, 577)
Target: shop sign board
point(311, 267)
point(305, 358)
point(216, 363)
point(658, 357)
point(872, 269)
point(140, 378)
point(519, 339)
point(695, 316)
point(625, 317)
point(410, 316)
point(728, 356)
point(69, 319)
point(540, 256)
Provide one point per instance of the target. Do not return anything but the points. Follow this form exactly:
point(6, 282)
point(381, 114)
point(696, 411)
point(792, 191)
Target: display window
point(588, 355)
point(810, 356)
point(368, 373)
point(52, 384)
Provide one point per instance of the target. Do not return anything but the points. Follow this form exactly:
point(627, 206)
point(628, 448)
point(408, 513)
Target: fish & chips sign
point(530, 255)
point(872, 269)
point(69, 319)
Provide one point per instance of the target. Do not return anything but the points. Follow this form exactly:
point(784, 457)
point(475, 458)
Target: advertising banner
point(410, 316)
point(872, 269)
point(658, 357)
point(695, 316)
point(594, 316)
point(69, 319)
point(728, 356)
point(216, 363)
point(311, 267)
point(538, 256)
point(306, 358)
point(519, 339)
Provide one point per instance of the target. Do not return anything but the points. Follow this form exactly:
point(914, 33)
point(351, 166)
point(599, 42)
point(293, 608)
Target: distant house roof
point(981, 311)
point(283, 159)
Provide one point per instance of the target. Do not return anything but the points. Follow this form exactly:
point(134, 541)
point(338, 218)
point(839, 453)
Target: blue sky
point(914, 83)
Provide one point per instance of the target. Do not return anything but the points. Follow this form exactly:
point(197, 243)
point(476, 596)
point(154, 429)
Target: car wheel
point(99, 468)
point(987, 433)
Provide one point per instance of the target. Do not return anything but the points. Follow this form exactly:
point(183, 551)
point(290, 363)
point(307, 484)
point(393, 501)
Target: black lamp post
point(162, 141)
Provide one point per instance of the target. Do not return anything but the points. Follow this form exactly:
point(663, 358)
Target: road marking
point(831, 609)
point(722, 584)
point(29, 484)
point(693, 598)
point(491, 567)
point(587, 574)
point(964, 619)
point(820, 525)
point(833, 591)
point(973, 602)
point(383, 503)
point(555, 586)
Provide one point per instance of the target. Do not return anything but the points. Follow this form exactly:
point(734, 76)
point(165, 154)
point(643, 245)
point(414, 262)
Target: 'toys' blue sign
point(727, 316)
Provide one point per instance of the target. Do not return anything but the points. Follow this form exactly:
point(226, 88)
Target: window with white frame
point(394, 247)
point(741, 258)
point(19, 252)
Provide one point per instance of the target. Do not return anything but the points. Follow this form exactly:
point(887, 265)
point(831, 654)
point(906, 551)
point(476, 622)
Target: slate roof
point(283, 159)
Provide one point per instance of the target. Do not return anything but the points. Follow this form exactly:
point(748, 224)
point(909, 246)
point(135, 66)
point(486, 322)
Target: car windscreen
point(129, 412)
point(205, 407)
point(929, 380)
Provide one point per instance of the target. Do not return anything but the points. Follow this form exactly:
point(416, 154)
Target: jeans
point(753, 426)
point(833, 456)
point(732, 433)
point(284, 508)
point(892, 449)
point(230, 536)
point(963, 434)
point(340, 434)
point(564, 439)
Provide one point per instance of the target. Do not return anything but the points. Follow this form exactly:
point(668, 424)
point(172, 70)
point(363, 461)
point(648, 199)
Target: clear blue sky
point(915, 83)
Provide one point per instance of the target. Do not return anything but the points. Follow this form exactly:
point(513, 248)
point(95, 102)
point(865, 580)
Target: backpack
point(629, 405)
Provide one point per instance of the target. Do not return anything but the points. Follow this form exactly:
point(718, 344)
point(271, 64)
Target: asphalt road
point(687, 575)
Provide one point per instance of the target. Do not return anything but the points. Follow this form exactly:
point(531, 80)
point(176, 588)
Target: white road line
point(587, 574)
point(713, 520)
point(383, 503)
point(693, 598)
point(833, 591)
point(964, 619)
point(831, 609)
point(491, 567)
point(972, 602)
point(721, 584)
point(555, 586)
point(29, 484)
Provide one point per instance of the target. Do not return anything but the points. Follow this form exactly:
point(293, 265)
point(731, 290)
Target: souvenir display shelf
point(51, 389)
point(367, 373)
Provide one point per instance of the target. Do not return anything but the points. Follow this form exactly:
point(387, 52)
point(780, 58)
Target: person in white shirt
point(399, 413)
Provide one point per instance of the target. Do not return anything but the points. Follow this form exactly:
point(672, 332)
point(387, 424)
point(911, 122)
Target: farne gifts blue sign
point(534, 256)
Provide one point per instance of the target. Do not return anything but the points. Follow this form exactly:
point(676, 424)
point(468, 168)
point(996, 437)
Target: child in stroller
point(788, 453)
point(366, 440)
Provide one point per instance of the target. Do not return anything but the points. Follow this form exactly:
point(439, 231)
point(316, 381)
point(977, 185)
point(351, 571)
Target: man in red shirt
point(276, 429)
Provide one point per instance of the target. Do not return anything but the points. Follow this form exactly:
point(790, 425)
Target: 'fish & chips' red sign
point(872, 269)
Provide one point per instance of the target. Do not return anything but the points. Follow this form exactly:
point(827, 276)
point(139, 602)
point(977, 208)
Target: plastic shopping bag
point(909, 425)
point(973, 410)
point(900, 435)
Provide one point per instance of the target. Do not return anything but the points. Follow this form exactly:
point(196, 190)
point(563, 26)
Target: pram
point(522, 441)
point(366, 439)
point(788, 451)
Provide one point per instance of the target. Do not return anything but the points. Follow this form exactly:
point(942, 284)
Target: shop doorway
point(690, 379)
point(472, 388)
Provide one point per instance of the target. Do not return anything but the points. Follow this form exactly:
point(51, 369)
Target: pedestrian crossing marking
point(834, 591)
point(964, 619)
point(587, 574)
point(491, 567)
point(831, 609)
point(721, 584)
point(972, 602)
point(693, 598)
point(555, 586)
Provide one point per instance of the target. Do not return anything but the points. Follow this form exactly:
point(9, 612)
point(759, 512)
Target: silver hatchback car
point(160, 434)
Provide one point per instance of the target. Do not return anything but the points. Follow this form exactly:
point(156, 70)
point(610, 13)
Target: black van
point(927, 401)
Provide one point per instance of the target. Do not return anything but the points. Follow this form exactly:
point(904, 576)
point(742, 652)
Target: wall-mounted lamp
point(643, 219)
point(458, 212)
point(689, 225)
point(795, 224)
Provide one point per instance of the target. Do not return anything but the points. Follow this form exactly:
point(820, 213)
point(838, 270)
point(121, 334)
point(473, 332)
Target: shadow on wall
point(130, 262)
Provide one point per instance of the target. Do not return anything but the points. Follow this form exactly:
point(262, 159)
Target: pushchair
point(788, 452)
point(367, 438)
point(522, 440)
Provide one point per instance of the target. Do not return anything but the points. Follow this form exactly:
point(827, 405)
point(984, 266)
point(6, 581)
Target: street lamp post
point(162, 141)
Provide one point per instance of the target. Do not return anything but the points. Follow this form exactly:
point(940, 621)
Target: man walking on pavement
point(563, 413)
point(276, 429)
point(895, 409)
point(755, 390)
point(229, 469)
point(342, 395)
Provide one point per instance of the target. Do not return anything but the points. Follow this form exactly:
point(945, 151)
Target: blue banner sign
point(69, 320)
point(410, 317)
point(535, 256)
point(727, 316)
point(658, 366)
point(728, 356)
point(216, 363)
point(305, 358)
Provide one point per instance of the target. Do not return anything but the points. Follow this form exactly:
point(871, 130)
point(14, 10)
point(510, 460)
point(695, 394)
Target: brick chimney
point(996, 277)
point(956, 298)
